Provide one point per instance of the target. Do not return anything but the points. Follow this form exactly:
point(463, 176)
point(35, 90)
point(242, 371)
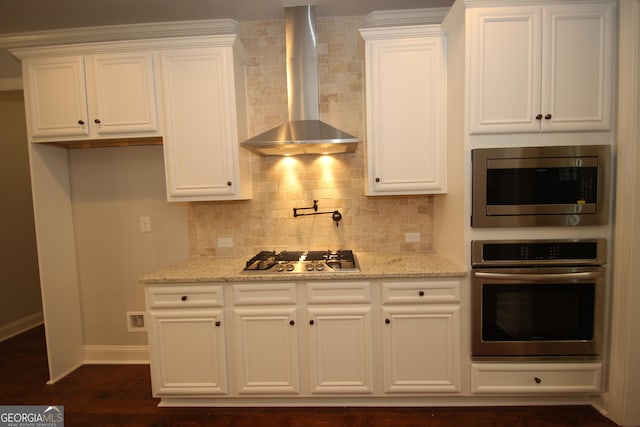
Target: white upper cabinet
point(405, 102)
point(122, 96)
point(90, 96)
point(205, 119)
point(541, 67)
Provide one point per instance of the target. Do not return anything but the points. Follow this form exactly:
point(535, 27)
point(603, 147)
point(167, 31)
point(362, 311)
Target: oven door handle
point(540, 276)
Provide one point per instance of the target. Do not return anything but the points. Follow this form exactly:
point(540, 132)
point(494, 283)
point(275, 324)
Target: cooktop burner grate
point(303, 262)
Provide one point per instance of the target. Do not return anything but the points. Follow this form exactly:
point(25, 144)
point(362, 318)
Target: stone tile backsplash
point(280, 184)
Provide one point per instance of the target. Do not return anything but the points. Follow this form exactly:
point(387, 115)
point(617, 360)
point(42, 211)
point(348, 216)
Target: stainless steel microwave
point(540, 186)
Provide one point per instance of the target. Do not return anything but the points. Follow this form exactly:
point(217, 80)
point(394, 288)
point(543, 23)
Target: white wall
point(111, 188)
point(20, 305)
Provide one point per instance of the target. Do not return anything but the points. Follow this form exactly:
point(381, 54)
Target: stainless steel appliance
point(537, 299)
point(303, 262)
point(540, 186)
point(304, 133)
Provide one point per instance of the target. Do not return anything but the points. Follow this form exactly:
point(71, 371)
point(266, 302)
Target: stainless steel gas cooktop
point(303, 262)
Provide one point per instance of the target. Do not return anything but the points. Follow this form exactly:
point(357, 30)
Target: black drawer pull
point(537, 380)
point(291, 322)
point(387, 321)
point(312, 322)
point(218, 323)
point(183, 297)
point(421, 293)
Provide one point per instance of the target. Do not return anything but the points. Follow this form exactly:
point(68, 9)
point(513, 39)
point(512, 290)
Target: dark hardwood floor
point(120, 395)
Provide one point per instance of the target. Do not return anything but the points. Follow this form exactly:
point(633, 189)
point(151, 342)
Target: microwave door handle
point(540, 276)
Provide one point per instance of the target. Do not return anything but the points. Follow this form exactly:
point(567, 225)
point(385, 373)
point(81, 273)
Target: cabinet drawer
point(264, 293)
point(338, 292)
point(185, 296)
point(536, 377)
point(420, 291)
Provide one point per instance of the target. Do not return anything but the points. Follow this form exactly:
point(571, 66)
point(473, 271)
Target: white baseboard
point(116, 354)
point(21, 325)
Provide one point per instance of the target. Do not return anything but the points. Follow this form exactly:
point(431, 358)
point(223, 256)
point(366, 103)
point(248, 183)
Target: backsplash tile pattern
point(337, 182)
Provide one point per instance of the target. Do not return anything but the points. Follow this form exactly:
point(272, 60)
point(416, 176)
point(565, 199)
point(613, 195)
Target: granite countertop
point(372, 266)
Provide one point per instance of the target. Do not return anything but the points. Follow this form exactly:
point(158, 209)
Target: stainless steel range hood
point(304, 133)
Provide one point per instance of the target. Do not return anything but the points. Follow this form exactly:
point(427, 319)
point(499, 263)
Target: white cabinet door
point(577, 67)
point(421, 348)
point(188, 352)
point(202, 154)
point(505, 67)
point(340, 350)
point(55, 96)
point(405, 103)
point(122, 96)
point(541, 68)
point(267, 350)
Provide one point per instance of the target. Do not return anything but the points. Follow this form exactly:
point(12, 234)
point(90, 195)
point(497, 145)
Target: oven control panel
point(512, 252)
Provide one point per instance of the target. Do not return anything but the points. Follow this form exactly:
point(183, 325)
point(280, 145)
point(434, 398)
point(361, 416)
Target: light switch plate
point(145, 224)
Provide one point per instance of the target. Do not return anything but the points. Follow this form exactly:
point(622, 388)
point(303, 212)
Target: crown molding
point(388, 18)
point(120, 32)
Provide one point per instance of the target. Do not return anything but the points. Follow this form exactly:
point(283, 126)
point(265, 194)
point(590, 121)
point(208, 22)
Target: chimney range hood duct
point(304, 133)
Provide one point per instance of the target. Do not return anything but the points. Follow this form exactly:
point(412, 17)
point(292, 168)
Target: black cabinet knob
point(539, 117)
point(229, 183)
point(421, 293)
point(387, 321)
point(183, 297)
point(547, 117)
point(377, 179)
point(312, 322)
point(291, 322)
point(537, 380)
point(96, 121)
point(218, 323)
point(80, 122)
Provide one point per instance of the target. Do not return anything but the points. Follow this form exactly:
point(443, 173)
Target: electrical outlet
point(145, 224)
point(136, 321)
point(412, 237)
point(225, 242)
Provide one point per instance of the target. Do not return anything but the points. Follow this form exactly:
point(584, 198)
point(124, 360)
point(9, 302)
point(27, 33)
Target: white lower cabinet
point(265, 339)
point(421, 336)
point(536, 377)
point(276, 342)
point(340, 350)
point(267, 350)
point(188, 354)
point(340, 336)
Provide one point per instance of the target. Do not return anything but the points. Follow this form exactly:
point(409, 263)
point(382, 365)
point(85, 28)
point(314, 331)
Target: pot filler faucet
point(335, 215)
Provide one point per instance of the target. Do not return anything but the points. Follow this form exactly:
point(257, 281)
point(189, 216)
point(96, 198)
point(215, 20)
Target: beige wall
point(280, 184)
point(111, 189)
point(20, 286)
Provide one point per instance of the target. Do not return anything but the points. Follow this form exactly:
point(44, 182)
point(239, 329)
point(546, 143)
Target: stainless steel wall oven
point(540, 186)
point(538, 299)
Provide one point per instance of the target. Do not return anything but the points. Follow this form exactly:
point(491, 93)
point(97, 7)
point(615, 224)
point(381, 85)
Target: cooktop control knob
point(290, 267)
point(280, 267)
point(310, 267)
point(319, 267)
